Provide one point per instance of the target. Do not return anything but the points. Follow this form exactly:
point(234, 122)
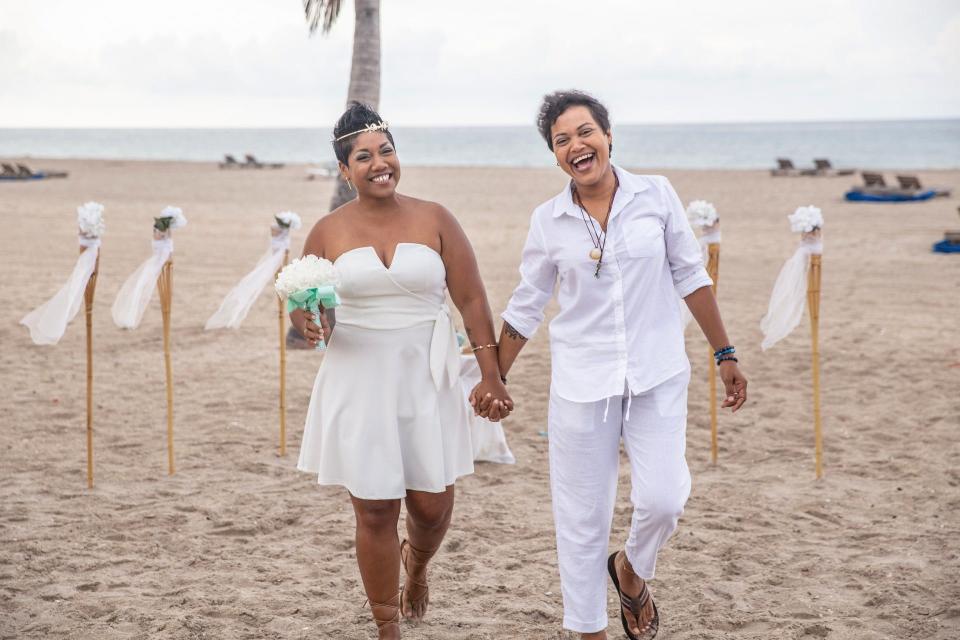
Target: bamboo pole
point(813, 303)
point(713, 270)
point(283, 365)
point(88, 313)
point(165, 286)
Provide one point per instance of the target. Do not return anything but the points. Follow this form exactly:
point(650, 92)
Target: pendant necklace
point(597, 237)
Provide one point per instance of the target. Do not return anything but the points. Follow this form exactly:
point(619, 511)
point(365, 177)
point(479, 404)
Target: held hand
point(311, 331)
point(735, 384)
point(491, 400)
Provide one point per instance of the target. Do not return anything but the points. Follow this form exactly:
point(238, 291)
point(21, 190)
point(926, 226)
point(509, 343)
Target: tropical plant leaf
point(326, 11)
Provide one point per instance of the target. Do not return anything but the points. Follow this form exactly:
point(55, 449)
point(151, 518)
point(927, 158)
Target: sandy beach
point(238, 544)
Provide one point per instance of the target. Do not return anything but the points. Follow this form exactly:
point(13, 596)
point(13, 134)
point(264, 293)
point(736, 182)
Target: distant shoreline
point(872, 145)
point(49, 162)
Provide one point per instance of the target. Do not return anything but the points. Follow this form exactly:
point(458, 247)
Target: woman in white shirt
point(621, 254)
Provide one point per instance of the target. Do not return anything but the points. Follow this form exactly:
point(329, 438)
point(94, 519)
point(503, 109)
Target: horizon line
point(484, 125)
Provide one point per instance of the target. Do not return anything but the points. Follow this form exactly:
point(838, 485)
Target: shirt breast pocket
point(643, 237)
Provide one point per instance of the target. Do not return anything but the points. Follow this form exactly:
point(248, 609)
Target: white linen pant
point(584, 467)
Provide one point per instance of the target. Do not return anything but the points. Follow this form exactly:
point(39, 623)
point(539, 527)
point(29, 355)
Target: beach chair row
point(18, 171)
point(821, 167)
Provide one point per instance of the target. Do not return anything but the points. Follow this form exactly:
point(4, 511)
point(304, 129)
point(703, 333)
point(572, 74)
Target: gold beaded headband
point(370, 128)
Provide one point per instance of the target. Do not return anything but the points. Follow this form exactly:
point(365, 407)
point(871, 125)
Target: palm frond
point(326, 11)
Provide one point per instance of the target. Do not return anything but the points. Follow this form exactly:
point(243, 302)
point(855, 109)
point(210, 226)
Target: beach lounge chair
point(785, 167)
point(875, 189)
point(229, 162)
point(873, 180)
point(25, 171)
point(825, 168)
point(253, 163)
point(912, 183)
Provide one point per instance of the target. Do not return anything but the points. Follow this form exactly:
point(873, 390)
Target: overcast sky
point(243, 63)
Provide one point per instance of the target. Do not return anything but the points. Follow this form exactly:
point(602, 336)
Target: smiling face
point(581, 145)
point(372, 165)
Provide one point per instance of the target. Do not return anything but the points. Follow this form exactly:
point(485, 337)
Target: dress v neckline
point(393, 260)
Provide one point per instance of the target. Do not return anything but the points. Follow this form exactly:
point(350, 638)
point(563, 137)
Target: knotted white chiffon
point(48, 322)
point(240, 299)
point(705, 239)
point(789, 297)
point(135, 293)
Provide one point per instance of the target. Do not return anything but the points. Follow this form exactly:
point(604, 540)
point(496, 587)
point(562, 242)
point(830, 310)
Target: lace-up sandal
point(634, 605)
point(387, 621)
point(418, 606)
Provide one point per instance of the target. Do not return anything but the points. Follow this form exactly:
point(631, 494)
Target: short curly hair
point(356, 117)
point(554, 104)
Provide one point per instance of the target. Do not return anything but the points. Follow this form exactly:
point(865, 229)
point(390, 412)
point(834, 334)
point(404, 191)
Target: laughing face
point(373, 166)
point(581, 146)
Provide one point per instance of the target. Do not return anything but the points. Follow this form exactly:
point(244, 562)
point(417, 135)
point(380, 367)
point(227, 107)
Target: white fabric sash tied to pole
point(136, 292)
point(789, 297)
point(240, 299)
point(48, 322)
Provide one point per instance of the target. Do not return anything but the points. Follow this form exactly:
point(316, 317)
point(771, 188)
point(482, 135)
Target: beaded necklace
point(598, 237)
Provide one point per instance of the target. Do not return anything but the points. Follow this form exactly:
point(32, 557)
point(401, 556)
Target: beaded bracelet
point(727, 358)
point(724, 351)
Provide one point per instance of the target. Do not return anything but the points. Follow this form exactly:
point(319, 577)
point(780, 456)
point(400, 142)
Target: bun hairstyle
point(554, 104)
point(354, 120)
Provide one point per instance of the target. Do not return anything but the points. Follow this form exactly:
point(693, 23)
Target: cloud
point(250, 62)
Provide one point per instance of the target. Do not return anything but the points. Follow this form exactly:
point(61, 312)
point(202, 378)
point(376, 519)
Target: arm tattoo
point(512, 333)
point(470, 336)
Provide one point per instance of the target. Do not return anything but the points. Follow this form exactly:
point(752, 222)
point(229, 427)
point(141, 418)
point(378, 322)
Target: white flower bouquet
point(307, 283)
point(170, 218)
point(288, 220)
point(90, 220)
point(806, 219)
point(702, 214)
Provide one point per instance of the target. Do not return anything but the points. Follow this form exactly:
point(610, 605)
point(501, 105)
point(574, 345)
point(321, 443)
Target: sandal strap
point(636, 604)
point(394, 619)
point(419, 554)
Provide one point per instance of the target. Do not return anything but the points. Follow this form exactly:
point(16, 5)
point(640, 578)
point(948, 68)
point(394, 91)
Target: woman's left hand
point(735, 383)
point(491, 400)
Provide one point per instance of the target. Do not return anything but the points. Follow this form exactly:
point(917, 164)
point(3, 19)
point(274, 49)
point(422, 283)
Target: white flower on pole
point(90, 219)
point(288, 220)
point(806, 219)
point(702, 213)
point(308, 272)
point(172, 218)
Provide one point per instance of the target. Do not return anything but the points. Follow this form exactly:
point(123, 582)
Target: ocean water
point(912, 144)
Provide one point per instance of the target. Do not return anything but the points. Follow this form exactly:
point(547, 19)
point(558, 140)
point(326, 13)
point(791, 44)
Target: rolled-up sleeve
point(538, 275)
point(683, 250)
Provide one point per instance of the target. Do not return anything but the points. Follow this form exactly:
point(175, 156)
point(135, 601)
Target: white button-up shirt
point(623, 329)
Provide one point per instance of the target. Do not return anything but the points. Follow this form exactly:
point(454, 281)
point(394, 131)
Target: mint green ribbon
point(310, 299)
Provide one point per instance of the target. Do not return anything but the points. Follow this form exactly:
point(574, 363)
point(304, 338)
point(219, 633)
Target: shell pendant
point(595, 254)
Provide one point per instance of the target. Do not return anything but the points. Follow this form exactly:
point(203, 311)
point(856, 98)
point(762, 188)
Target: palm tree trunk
point(364, 73)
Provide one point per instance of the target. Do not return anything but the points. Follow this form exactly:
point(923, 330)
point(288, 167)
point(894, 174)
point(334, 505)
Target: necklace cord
point(598, 242)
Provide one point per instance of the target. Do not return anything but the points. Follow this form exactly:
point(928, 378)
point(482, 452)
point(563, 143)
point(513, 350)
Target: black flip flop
point(633, 605)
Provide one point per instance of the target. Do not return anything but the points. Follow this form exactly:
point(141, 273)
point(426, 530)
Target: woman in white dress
point(619, 252)
point(387, 418)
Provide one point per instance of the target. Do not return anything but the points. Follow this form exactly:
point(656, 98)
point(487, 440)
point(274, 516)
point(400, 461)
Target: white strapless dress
point(387, 413)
